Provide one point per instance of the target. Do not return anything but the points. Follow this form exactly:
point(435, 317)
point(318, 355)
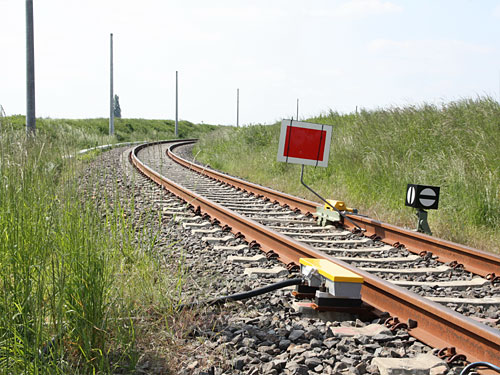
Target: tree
point(117, 111)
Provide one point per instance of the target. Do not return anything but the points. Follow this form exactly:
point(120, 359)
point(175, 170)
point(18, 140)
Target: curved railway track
point(416, 278)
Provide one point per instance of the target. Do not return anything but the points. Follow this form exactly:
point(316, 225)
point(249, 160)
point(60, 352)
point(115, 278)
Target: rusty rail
point(436, 325)
point(474, 260)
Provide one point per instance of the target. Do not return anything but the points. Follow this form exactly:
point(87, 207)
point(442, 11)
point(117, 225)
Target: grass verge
point(374, 154)
point(86, 133)
point(79, 283)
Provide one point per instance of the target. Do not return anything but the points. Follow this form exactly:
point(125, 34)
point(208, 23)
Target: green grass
point(374, 154)
point(80, 134)
point(77, 272)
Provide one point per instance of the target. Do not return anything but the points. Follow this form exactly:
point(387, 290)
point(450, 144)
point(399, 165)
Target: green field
point(375, 153)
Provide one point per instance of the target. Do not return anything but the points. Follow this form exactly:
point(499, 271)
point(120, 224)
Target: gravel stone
point(297, 369)
point(284, 344)
point(296, 334)
point(239, 362)
point(312, 362)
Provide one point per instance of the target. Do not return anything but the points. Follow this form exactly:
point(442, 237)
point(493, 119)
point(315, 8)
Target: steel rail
point(436, 325)
point(473, 260)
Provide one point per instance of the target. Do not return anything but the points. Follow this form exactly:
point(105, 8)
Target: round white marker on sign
point(410, 195)
point(427, 197)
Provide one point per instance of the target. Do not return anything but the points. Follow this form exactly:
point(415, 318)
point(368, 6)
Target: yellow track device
point(339, 205)
point(327, 214)
point(332, 285)
point(331, 271)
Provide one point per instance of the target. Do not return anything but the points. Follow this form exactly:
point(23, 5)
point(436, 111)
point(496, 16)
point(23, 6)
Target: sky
point(330, 54)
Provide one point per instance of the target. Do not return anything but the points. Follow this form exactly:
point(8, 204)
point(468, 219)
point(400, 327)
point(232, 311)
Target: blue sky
point(330, 54)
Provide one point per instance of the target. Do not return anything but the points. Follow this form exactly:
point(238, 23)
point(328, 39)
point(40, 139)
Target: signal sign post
point(306, 143)
point(422, 198)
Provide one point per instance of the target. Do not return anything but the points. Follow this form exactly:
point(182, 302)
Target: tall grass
point(374, 154)
point(71, 265)
point(52, 264)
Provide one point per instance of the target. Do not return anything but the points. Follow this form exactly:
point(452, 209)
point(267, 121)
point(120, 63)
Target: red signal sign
point(304, 143)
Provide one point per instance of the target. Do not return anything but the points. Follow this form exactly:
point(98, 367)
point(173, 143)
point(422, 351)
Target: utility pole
point(176, 104)
point(297, 109)
point(30, 71)
point(237, 107)
point(111, 97)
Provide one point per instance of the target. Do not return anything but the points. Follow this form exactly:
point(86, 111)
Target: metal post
point(237, 107)
point(176, 104)
point(111, 97)
point(30, 71)
point(297, 109)
point(423, 224)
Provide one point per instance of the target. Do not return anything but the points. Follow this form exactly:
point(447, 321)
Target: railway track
point(416, 278)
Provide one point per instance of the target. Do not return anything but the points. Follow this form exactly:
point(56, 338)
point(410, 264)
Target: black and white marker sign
point(421, 196)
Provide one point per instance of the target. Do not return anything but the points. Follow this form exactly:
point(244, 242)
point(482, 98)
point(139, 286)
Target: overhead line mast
point(30, 71)
point(237, 107)
point(111, 97)
point(176, 104)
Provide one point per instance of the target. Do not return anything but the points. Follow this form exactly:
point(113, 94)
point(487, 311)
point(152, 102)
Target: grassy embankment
point(80, 134)
point(375, 153)
point(74, 279)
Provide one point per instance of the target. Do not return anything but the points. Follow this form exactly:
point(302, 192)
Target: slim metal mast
point(238, 107)
point(30, 71)
point(111, 98)
point(176, 104)
point(297, 109)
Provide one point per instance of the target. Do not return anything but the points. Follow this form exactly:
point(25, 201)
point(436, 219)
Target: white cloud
point(496, 11)
point(428, 68)
point(422, 48)
point(367, 7)
point(359, 9)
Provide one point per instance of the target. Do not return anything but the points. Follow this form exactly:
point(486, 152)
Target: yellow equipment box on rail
point(333, 281)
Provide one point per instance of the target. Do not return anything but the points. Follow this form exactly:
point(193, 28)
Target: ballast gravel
point(262, 335)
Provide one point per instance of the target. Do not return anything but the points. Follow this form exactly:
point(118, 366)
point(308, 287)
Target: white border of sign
point(308, 125)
